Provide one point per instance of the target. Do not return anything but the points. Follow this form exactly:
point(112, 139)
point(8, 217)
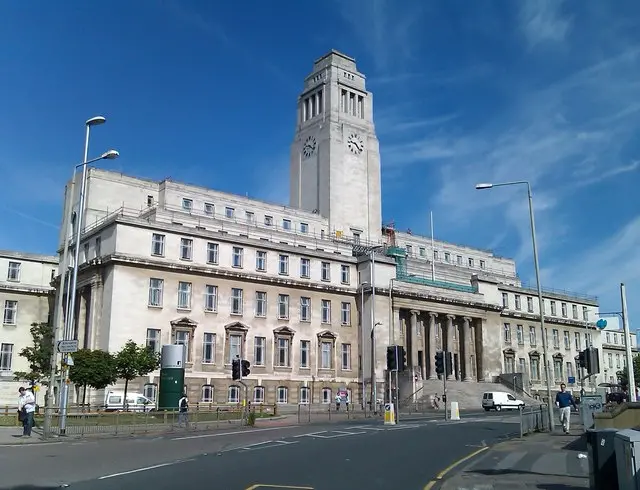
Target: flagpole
point(433, 250)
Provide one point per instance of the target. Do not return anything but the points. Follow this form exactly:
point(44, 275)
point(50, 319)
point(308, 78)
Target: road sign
point(572, 379)
point(67, 346)
point(601, 324)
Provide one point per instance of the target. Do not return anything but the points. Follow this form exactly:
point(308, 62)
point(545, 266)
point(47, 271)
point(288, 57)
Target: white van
point(497, 400)
point(136, 402)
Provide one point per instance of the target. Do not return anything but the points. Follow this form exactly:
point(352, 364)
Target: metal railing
point(534, 418)
point(330, 412)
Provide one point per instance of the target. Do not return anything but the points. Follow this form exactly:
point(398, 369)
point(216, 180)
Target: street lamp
point(61, 330)
point(374, 389)
point(545, 350)
point(362, 286)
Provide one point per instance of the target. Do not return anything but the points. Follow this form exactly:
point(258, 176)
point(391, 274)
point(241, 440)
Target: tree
point(38, 355)
point(134, 361)
point(623, 377)
point(94, 368)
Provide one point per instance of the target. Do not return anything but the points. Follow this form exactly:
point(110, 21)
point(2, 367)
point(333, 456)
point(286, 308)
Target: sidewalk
point(538, 461)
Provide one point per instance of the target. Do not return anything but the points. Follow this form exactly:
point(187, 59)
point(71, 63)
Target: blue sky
point(465, 92)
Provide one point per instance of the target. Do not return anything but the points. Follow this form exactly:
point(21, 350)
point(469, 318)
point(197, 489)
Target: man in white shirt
point(27, 408)
point(183, 411)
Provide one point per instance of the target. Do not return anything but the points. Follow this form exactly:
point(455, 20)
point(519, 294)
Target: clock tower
point(335, 158)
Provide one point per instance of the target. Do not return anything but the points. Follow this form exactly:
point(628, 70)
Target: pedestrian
point(564, 401)
point(183, 411)
point(26, 409)
point(338, 401)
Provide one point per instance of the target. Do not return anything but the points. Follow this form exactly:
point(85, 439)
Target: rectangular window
point(98, 247)
point(157, 245)
point(567, 340)
point(235, 347)
point(286, 224)
point(447, 257)
point(283, 265)
point(563, 309)
point(574, 311)
point(236, 301)
point(207, 394)
point(282, 359)
point(517, 301)
point(183, 337)
point(532, 336)
point(304, 228)
point(213, 253)
point(345, 274)
point(229, 212)
point(505, 300)
point(259, 351)
point(520, 334)
point(283, 306)
point(6, 357)
point(556, 338)
point(325, 355)
point(13, 273)
point(529, 304)
point(153, 340)
point(209, 348)
point(326, 271)
point(576, 338)
point(187, 204)
point(155, 291)
point(471, 262)
point(283, 395)
point(209, 209)
point(483, 264)
point(210, 298)
point(261, 260)
point(325, 308)
point(236, 258)
point(305, 347)
point(305, 309)
point(186, 248)
point(251, 218)
point(305, 268)
point(507, 333)
point(345, 313)
point(268, 220)
point(346, 357)
point(585, 314)
point(261, 304)
point(10, 312)
point(184, 295)
point(553, 308)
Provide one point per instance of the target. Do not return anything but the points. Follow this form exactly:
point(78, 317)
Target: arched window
point(234, 394)
point(282, 395)
point(326, 395)
point(258, 394)
point(207, 394)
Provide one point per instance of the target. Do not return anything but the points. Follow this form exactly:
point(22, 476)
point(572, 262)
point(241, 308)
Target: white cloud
point(542, 21)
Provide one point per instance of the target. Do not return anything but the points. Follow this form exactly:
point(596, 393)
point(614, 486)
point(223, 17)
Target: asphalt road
point(336, 456)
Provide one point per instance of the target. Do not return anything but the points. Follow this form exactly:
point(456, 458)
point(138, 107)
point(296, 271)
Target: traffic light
point(592, 360)
point(392, 362)
point(403, 359)
point(235, 369)
point(581, 360)
point(449, 363)
point(245, 368)
point(439, 362)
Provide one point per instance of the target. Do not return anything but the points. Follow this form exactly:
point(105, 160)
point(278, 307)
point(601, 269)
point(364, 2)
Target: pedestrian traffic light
point(235, 369)
point(439, 362)
point(592, 360)
point(581, 360)
point(392, 361)
point(245, 368)
point(449, 356)
point(403, 359)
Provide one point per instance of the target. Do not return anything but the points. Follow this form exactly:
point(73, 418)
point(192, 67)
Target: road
point(350, 455)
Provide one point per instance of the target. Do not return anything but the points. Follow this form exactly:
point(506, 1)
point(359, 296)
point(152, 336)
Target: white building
point(614, 350)
point(289, 288)
point(26, 297)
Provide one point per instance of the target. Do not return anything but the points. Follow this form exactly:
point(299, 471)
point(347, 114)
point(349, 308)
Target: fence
point(329, 412)
point(534, 419)
point(86, 420)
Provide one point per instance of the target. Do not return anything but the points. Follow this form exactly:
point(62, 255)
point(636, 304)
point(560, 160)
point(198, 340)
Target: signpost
point(67, 346)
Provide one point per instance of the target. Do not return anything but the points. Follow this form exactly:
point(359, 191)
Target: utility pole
point(627, 342)
point(444, 383)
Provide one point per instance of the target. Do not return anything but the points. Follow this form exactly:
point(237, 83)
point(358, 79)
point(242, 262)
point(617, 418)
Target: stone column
point(466, 326)
point(96, 314)
point(425, 346)
point(414, 341)
point(432, 345)
point(479, 338)
point(449, 344)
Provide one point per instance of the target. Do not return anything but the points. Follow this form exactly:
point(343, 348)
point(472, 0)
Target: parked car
point(497, 400)
point(136, 402)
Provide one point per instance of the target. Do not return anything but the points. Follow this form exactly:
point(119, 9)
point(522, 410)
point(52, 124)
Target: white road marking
point(146, 468)
point(202, 436)
point(267, 445)
point(366, 427)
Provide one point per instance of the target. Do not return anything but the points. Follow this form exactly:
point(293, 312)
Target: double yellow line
point(442, 474)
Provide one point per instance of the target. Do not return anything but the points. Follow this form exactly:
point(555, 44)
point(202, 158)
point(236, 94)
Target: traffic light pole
point(444, 383)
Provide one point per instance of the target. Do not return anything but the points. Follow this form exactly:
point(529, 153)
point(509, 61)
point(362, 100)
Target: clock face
point(355, 144)
point(309, 147)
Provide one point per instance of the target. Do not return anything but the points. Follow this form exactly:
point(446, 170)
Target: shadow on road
point(579, 444)
point(558, 486)
point(488, 472)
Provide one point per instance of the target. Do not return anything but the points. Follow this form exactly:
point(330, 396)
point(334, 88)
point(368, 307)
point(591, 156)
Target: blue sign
point(602, 323)
point(572, 379)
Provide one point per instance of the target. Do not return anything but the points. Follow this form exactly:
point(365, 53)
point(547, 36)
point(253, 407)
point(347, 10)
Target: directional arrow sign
point(67, 346)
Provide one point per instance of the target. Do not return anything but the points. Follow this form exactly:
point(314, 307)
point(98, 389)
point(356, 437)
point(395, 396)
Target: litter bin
point(626, 443)
point(603, 471)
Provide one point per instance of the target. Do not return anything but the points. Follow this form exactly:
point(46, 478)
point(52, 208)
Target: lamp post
point(60, 327)
point(362, 286)
point(545, 350)
point(374, 388)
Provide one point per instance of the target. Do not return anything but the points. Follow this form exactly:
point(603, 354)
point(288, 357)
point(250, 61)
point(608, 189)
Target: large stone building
point(290, 288)
point(614, 348)
point(26, 297)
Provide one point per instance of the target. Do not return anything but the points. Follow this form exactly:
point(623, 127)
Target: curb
point(438, 480)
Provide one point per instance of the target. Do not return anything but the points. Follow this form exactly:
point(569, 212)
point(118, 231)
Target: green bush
point(251, 419)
